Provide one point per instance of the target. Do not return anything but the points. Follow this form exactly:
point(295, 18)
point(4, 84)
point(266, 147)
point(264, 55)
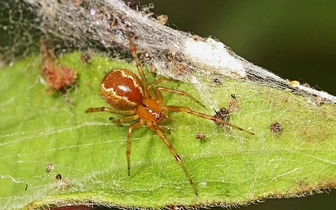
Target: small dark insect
point(58, 177)
point(217, 81)
point(26, 188)
point(222, 114)
point(276, 128)
point(200, 136)
point(49, 167)
point(142, 102)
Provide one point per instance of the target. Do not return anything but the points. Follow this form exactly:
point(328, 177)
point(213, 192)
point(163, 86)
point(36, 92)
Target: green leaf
point(40, 127)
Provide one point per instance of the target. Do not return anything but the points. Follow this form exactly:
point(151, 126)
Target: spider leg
point(160, 88)
point(178, 92)
point(133, 114)
point(158, 81)
point(189, 111)
point(127, 119)
point(114, 111)
point(164, 129)
point(157, 130)
point(129, 143)
point(137, 62)
point(151, 85)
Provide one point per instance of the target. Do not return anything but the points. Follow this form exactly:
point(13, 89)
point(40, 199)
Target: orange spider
point(133, 96)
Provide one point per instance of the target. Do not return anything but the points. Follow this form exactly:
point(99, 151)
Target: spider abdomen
point(122, 89)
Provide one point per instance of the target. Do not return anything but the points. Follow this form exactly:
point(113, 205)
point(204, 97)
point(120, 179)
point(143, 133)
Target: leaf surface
point(40, 127)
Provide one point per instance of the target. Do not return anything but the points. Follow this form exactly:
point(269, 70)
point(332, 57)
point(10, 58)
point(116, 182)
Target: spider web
point(102, 25)
point(88, 25)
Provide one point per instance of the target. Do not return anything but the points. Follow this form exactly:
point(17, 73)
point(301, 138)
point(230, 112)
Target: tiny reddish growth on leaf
point(55, 76)
point(59, 77)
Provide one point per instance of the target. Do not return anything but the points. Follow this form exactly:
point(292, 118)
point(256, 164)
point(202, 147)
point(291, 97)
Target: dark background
point(294, 39)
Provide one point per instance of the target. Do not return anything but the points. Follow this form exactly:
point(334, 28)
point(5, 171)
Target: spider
point(137, 99)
